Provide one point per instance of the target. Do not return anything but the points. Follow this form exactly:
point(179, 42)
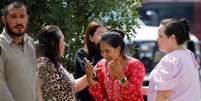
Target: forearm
point(161, 98)
point(145, 90)
point(5, 95)
point(38, 89)
point(163, 95)
point(80, 83)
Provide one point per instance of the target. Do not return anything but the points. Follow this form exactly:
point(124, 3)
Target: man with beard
point(17, 56)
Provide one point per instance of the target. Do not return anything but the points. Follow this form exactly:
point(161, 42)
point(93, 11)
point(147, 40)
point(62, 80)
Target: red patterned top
point(111, 90)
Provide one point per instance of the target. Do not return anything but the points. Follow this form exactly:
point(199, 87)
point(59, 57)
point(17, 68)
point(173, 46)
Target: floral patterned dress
point(57, 82)
point(111, 90)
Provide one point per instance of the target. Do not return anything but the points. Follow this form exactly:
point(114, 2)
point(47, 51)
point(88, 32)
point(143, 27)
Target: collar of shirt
point(9, 39)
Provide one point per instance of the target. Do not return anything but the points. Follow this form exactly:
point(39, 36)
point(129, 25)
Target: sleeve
point(46, 71)
point(79, 64)
point(5, 94)
point(98, 89)
point(135, 75)
point(60, 85)
point(40, 69)
point(168, 73)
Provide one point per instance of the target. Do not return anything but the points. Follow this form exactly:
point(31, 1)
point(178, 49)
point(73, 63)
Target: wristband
point(122, 81)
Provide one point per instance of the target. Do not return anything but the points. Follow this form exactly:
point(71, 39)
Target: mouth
point(108, 59)
point(19, 27)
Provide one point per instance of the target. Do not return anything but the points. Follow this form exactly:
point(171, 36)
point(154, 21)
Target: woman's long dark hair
point(90, 30)
point(48, 46)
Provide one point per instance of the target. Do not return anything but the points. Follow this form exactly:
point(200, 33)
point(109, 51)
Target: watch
point(122, 81)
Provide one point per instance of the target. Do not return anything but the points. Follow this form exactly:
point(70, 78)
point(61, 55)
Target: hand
point(116, 70)
point(89, 73)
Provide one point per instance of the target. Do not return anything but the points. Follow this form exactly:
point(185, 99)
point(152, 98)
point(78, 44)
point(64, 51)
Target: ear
point(118, 49)
point(27, 19)
point(3, 20)
point(91, 38)
point(173, 37)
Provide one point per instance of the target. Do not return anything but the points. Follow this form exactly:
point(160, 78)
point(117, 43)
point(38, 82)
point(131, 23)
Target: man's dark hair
point(14, 4)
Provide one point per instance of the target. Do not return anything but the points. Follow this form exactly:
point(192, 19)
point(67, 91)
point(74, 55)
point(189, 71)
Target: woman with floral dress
point(119, 77)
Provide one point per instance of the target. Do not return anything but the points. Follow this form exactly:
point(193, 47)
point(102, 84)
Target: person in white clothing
point(175, 77)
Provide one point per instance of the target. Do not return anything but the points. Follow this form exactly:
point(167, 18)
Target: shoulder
point(43, 61)
point(134, 68)
point(171, 58)
point(135, 64)
point(81, 51)
point(3, 41)
point(134, 61)
point(102, 61)
point(0, 50)
point(2, 47)
point(30, 40)
point(45, 64)
point(170, 63)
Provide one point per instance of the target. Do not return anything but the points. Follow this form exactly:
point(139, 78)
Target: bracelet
point(122, 81)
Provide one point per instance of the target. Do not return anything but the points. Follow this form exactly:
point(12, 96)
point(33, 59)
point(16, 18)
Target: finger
point(97, 69)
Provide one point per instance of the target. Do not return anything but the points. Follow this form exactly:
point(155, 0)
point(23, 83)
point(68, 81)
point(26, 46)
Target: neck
point(18, 40)
point(177, 47)
point(123, 59)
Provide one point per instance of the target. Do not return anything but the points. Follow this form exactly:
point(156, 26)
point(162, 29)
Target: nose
point(18, 20)
point(157, 39)
point(65, 44)
point(103, 54)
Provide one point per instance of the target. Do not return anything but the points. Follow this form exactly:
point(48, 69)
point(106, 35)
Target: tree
point(73, 15)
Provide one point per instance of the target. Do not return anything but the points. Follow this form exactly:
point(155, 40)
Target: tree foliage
point(73, 15)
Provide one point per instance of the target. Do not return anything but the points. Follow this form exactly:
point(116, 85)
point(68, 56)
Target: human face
point(97, 35)
point(62, 45)
point(108, 52)
point(16, 21)
point(164, 42)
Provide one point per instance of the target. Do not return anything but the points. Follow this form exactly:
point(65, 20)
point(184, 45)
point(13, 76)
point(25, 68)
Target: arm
point(58, 81)
point(79, 64)
point(167, 77)
point(97, 88)
point(38, 86)
point(5, 94)
point(145, 90)
point(80, 83)
point(163, 95)
point(134, 79)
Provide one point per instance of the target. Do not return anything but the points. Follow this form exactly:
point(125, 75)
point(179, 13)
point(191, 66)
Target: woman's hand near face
point(116, 70)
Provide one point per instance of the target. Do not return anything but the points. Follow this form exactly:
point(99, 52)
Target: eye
point(22, 16)
point(160, 36)
point(13, 16)
point(107, 51)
